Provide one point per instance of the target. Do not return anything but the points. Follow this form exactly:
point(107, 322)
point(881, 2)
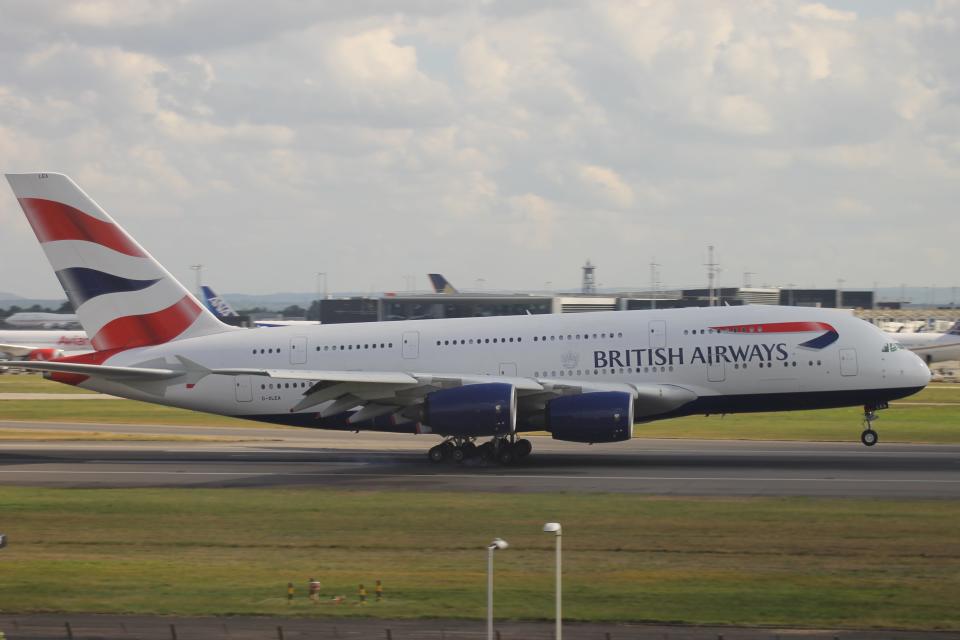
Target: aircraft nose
point(916, 370)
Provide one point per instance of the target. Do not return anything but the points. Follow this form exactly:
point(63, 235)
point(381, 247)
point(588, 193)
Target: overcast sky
point(508, 141)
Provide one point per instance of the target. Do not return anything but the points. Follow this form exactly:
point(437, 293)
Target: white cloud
point(819, 11)
point(534, 222)
point(510, 140)
point(608, 184)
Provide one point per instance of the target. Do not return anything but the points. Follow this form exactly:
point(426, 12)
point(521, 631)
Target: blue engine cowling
point(603, 416)
point(488, 409)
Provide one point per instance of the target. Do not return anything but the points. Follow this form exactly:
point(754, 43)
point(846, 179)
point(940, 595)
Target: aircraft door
point(298, 350)
point(411, 344)
point(508, 369)
point(658, 333)
point(243, 388)
point(848, 362)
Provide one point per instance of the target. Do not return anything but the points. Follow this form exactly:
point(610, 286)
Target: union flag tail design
point(123, 297)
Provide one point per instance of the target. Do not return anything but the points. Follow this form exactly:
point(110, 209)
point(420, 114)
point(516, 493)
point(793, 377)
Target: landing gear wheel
point(869, 437)
point(438, 453)
point(458, 454)
point(522, 448)
point(469, 449)
point(507, 454)
point(485, 450)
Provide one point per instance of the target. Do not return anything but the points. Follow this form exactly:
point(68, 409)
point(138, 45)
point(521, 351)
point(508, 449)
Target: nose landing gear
point(869, 437)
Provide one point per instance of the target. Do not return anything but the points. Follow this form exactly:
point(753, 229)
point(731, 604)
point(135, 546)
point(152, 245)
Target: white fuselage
point(727, 371)
point(41, 319)
point(62, 340)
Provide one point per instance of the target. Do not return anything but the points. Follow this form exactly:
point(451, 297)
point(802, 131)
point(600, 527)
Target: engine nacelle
point(488, 409)
point(602, 416)
point(44, 354)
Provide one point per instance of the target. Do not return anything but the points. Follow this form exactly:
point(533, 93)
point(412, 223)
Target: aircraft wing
point(376, 393)
point(369, 377)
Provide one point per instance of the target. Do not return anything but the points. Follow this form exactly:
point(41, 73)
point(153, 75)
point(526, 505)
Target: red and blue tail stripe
point(123, 297)
point(146, 329)
point(828, 335)
point(82, 284)
point(53, 221)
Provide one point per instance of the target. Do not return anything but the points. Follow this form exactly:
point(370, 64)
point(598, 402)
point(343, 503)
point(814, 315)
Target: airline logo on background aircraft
point(217, 305)
point(441, 284)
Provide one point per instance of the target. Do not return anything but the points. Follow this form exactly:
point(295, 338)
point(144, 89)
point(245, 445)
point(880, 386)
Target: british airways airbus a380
point(584, 377)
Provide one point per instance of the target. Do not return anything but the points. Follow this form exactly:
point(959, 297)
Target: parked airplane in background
point(441, 284)
point(932, 346)
point(41, 319)
point(584, 377)
point(42, 345)
point(222, 309)
point(217, 305)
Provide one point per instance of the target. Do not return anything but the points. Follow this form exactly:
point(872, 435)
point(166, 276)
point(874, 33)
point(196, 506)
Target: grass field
point(112, 412)
point(21, 435)
point(806, 562)
point(32, 383)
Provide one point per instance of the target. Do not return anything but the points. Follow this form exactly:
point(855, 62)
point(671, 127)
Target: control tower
point(589, 282)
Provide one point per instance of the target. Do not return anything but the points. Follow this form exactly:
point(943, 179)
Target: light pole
point(198, 270)
point(497, 545)
point(322, 284)
point(555, 528)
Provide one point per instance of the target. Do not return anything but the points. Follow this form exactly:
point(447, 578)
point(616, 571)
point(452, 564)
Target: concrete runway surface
point(129, 627)
point(266, 457)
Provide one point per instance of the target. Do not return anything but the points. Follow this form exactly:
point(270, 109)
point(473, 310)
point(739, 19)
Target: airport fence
point(91, 627)
point(264, 629)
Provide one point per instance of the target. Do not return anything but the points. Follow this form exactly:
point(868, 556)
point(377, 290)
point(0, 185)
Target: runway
point(267, 457)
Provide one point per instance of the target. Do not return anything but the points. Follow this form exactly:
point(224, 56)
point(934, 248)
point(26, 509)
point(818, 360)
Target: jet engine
point(488, 409)
point(601, 416)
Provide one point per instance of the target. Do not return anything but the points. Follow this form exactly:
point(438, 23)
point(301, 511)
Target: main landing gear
point(869, 437)
point(505, 450)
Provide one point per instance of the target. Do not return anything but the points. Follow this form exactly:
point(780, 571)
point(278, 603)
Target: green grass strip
point(753, 561)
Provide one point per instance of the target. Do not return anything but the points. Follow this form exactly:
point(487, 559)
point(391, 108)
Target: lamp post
point(322, 285)
point(496, 545)
point(198, 271)
point(555, 528)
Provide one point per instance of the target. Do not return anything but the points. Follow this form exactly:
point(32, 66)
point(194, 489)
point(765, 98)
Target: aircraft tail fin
point(122, 296)
point(955, 329)
point(217, 305)
point(441, 284)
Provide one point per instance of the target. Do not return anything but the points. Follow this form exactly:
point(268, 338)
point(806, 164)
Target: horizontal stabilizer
point(105, 371)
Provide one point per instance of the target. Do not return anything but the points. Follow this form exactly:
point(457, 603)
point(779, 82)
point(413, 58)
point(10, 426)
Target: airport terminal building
point(473, 305)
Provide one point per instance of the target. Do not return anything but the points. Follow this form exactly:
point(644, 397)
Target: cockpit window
point(890, 347)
